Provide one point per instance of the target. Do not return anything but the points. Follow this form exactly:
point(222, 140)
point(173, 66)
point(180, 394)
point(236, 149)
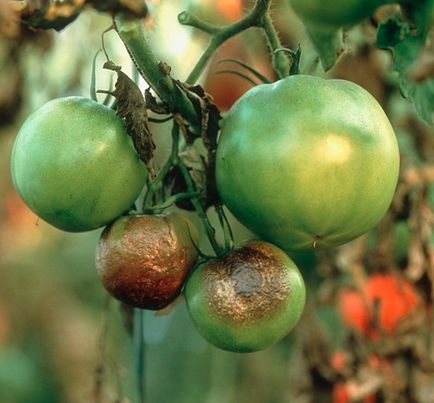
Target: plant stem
point(139, 348)
point(281, 63)
point(171, 162)
point(192, 189)
point(200, 211)
point(220, 35)
point(153, 71)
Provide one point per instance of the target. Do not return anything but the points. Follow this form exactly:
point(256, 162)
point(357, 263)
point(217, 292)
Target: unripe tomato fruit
point(246, 300)
point(143, 260)
point(307, 163)
point(75, 166)
point(339, 13)
point(396, 299)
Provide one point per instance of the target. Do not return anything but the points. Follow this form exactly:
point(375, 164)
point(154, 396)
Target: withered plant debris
point(57, 14)
point(131, 106)
point(210, 117)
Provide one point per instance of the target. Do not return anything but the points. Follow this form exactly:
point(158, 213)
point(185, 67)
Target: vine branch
point(258, 17)
point(154, 71)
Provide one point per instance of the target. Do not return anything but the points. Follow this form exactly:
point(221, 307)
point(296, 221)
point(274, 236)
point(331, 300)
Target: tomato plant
point(307, 162)
point(380, 306)
point(75, 166)
point(248, 299)
point(143, 260)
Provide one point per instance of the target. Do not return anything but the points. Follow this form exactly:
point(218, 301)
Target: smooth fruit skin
point(74, 164)
point(339, 13)
point(143, 260)
point(247, 300)
point(307, 163)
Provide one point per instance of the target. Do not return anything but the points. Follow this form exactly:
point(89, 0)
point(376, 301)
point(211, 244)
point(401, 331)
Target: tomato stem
point(281, 62)
point(200, 211)
point(139, 347)
point(219, 35)
point(227, 230)
point(170, 163)
point(150, 68)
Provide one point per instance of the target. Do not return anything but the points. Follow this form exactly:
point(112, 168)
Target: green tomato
point(340, 13)
point(247, 300)
point(307, 163)
point(74, 164)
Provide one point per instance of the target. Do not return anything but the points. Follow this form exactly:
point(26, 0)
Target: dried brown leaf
point(210, 117)
point(131, 107)
point(46, 14)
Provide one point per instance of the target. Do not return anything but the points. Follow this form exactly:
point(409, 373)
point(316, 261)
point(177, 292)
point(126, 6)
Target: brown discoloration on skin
point(246, 284)
point(144, 260)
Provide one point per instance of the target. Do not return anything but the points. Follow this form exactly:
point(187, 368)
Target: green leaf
point(407, 40)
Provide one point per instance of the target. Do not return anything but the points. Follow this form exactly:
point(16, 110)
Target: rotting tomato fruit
point(143, 260)
point(307, 163)
point(246, 300)
point(386, 299)
point(75, 166)
point(340, 13)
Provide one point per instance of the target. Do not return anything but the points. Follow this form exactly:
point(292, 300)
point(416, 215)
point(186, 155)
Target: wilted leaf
point(131, 107)
point(50, 14)
point(407, 42)
point(210, 117)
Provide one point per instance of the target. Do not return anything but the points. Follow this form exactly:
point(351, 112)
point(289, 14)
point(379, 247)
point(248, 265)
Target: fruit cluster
point(305, 163)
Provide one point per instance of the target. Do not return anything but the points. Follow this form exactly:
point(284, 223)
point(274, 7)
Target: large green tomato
point(246, 300)
point(339, 13)
point(75, 166)
point(306, 162)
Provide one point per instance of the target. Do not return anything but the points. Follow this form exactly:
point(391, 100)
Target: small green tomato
point(246, 300)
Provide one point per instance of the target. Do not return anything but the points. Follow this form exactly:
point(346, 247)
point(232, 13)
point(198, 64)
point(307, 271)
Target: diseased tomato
point(143, 260)
point(380, 307)
point(307, 163)
point(248, 299)
point(75, 166)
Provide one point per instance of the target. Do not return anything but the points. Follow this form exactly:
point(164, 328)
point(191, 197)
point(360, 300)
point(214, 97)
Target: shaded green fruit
point(75, 166)
point(307, 163)
point(247, 300)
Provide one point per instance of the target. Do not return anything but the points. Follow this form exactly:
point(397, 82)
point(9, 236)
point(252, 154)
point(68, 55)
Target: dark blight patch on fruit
point(142, 262)
point(246, 281)
point(246, 285)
